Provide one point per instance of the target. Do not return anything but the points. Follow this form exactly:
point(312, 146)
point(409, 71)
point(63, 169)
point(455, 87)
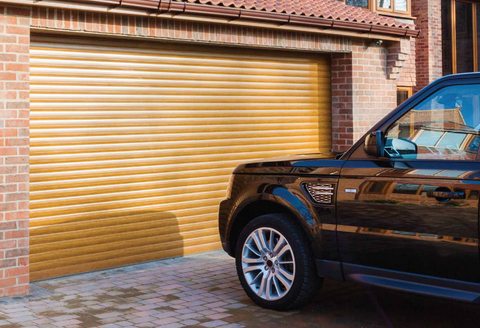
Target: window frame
point(393, 10)
point(373, 6)
point(453, 30)
point(409, 91)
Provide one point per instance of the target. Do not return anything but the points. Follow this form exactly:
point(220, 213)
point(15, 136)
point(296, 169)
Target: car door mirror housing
point(375, 144)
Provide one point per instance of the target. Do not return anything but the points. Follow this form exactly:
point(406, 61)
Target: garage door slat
point(133, 143)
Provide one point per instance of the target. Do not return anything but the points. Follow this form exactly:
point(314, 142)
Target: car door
point(415, 209)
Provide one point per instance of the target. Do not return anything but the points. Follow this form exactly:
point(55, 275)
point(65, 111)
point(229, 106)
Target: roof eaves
point(235, 10)
point(213, 10)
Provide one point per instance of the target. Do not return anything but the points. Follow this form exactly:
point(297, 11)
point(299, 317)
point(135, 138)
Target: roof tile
point(328, 9)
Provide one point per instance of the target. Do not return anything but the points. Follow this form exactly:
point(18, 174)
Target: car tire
point(276, 277)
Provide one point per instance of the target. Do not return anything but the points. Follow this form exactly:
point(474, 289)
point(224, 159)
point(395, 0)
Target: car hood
point(314, 163)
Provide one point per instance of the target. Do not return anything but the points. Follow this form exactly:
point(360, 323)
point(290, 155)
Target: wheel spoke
point(257, 242)
point(269, 287)
point(263, 284)
point(283, 250)
point(272, 240)
point(252, 261)
point(277, 286)
point(279, 244)
point(254, 281)
point(285, 262)
point(284, 281)
point(252, 268)
point(285, 273)
point(253, 250)
point(263, 239)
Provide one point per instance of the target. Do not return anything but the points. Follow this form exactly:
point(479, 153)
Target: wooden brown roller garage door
point(132, 144)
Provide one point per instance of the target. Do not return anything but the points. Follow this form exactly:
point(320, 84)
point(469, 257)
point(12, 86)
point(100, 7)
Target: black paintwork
point(410, 230)
point(394, 227)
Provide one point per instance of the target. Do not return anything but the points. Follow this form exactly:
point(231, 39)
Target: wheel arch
point(256, 208)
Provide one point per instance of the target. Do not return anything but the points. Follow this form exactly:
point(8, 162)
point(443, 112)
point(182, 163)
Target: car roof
point(459, 76)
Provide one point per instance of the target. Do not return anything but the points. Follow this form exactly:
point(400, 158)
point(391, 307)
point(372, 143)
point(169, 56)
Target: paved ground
point(203, 291)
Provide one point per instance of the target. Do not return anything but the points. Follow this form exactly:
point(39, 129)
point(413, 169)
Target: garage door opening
point(133, 143)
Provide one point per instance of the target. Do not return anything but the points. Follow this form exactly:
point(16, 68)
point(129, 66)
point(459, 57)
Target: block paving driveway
point(202, 290)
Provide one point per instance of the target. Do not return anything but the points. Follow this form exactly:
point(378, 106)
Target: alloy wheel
point(268, 263)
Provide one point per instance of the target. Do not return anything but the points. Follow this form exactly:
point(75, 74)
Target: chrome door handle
point(446, 194)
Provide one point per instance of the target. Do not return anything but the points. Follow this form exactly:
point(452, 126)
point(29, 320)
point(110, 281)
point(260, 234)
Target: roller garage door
point(132, 144)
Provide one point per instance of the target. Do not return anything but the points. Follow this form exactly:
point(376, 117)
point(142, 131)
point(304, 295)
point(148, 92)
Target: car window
point(445, 126)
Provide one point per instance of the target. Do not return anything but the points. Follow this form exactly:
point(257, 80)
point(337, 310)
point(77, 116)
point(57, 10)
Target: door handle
point(446, 195)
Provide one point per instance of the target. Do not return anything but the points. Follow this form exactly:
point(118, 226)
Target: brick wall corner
point(14, 150)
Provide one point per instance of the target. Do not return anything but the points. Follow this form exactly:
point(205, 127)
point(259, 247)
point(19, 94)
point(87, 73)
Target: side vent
point(320, 193)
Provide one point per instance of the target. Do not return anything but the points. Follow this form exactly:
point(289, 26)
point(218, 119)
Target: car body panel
point(282, 186)
point(321, 164)
point(386, 225)
point(393, 221)
point(414, 283)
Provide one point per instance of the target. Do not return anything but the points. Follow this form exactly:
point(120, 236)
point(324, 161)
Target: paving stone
point(190, 316)
point(108, 315)
point(67, 323)
point(215, 323)
point(190, 322)
point(202, 290)
point(173, 325)
point(165, 321)
point(64, 317)
point(218, 316)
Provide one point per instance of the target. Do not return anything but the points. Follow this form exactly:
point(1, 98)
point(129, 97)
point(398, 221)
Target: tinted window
point(444, 126)
point(402, 95)
point(401, 5)
point(447, 37)
point(464, 37)
point(452, 139)
point(428, 138)
point(473, 145)
point(384, 4)
point(358, 3)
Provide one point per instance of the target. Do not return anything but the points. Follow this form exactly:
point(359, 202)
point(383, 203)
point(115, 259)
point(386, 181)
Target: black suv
point(398, 210)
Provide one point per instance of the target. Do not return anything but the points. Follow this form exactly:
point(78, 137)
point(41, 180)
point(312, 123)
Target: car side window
point(445, 126)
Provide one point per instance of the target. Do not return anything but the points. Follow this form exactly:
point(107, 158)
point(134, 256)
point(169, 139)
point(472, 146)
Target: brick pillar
point(14, 150)
point(429, 42)
point(342, 102)
point(363, 92)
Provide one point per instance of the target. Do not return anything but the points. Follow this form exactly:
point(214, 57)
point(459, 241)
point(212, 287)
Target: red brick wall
point(364, 79)
point(408, 76)
point(363, 92)
point(342, 101)
point(429, 43)
point(164, 29)
point(14, 149)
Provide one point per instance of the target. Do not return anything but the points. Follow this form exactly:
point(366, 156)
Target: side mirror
point(401, 148)
point(375, 144)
